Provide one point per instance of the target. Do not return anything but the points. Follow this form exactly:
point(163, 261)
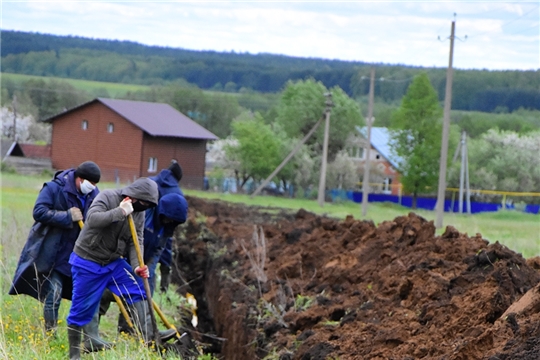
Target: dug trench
point(273, 284)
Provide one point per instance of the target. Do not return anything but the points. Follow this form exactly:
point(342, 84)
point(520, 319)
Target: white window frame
point(110, 128)
point(152, 164)
point(84, 125)
point(360, 152)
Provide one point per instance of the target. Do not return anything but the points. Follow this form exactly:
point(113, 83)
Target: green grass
point(92, 87)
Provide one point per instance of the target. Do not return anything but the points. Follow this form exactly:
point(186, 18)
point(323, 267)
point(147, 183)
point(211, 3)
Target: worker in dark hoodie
point(98, 262)
point(159, 226)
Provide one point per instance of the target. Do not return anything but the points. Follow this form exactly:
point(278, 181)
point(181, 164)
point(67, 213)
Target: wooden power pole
point(446, 129)
point(464, 175)
point(14, 105)
point(367, 165)
point(322, 181)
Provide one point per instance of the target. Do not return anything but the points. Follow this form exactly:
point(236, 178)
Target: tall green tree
point(416, 136)
point(53, 96)
point(258, 150)
point(504, 161)
point(303, 103)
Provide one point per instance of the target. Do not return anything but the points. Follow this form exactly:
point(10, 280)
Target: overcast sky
point(494, 35)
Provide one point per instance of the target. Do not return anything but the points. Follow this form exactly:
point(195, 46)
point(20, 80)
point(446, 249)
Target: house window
point(356, 152)
point(387, 186)
point(360, 152)
point(377, 156)
point(84, 125)
point(110, 127)
point(152, 164)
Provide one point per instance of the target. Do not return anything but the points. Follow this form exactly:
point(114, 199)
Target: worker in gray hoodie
point(98, 259)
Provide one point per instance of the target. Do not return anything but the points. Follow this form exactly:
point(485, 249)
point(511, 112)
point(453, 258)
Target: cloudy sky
point(494, 35)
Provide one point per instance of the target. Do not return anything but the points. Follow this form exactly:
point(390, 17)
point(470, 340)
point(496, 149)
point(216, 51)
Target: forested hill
point(129, 62)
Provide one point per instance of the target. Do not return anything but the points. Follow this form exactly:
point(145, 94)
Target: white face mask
point(87, 187)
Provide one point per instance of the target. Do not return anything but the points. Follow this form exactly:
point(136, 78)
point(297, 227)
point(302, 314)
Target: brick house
point(381, 159)
point(129, 139)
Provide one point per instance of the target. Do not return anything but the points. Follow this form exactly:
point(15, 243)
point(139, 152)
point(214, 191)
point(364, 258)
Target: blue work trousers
point(152, 277)
point(88, 286)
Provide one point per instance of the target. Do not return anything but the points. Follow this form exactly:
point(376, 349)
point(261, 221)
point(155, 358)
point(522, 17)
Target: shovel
point(157, 339)
point(183, 345)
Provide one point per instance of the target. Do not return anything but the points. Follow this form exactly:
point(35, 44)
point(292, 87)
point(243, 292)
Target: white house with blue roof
point(382, 159)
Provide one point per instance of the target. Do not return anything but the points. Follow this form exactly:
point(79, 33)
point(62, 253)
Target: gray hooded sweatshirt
point(106, 235)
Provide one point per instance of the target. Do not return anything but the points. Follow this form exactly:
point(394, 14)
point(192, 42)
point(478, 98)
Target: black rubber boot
point(92, 342)
point(74, 338)
point(166, 335)
point(144, 323)
point(50, 327)
point(165, 277)
point(123, 326)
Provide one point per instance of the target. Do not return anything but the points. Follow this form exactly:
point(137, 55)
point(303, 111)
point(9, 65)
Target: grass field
point(92, 87)
point(21, 330)
point(95, 88)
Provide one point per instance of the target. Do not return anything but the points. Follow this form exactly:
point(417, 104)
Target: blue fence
point(428, 203)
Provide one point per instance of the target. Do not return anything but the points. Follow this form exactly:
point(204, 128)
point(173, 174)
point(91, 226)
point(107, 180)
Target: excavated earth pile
point(293, 285)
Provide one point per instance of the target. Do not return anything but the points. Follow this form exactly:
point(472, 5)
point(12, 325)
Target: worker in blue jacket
point(167, 181)
point(159, 228)
point(43, 271)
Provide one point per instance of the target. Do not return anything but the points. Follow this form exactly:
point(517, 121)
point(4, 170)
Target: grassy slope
point(114, 89)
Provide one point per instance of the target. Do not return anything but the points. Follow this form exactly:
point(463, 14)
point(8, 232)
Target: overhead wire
point(524, 30)
point(508, 22)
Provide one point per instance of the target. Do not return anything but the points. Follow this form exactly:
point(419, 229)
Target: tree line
point(129, 62)
point(216, 110)
point(257, 140)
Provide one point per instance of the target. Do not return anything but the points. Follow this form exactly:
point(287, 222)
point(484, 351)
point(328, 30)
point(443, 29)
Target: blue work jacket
point(52, 236)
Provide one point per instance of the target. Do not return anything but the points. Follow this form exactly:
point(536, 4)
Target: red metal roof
point(156, 119)
point(36, 151)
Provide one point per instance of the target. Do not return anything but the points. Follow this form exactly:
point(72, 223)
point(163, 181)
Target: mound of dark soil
point(348, 289)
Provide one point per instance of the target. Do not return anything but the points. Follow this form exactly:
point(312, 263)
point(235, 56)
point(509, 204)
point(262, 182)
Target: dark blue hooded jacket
point(52, 236)
point(173, 206)
point(167, 183)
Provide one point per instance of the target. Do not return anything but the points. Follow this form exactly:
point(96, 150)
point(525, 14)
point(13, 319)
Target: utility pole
point(14, 105)
point(367, 165)
point(446, 129)
point(322, 181)
point(462, 172)
point(467, 181)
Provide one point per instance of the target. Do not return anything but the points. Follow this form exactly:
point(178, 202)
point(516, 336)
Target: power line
point(508, 22)
point(527, 29)
point(484, 12)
